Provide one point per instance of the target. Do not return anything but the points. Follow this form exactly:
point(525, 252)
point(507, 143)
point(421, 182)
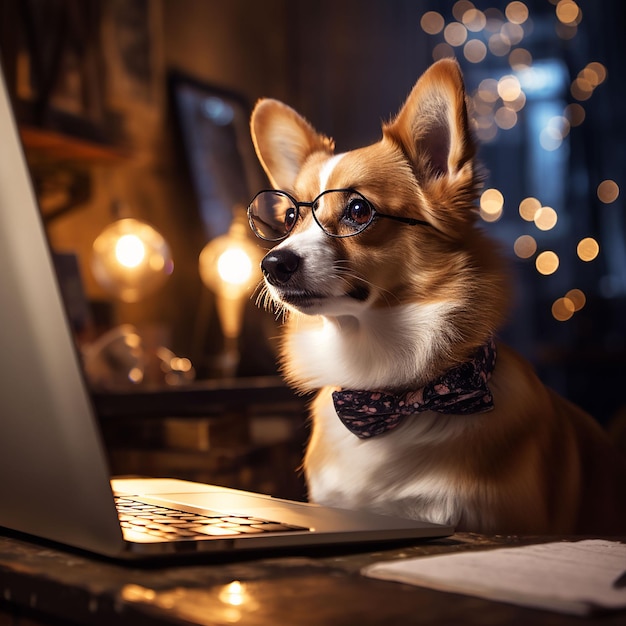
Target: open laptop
point(54, 479)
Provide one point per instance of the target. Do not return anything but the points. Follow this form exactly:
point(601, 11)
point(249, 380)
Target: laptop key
point(274, 527)
point(239, 520)
point(249, 530)
point(214, 531)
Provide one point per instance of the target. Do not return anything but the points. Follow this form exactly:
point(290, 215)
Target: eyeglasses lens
point(272, 215)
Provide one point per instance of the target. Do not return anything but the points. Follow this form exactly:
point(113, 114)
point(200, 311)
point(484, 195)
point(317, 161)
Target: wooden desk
point(41, 585)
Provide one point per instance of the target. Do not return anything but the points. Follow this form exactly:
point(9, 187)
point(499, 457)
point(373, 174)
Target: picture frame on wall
point(213, 123)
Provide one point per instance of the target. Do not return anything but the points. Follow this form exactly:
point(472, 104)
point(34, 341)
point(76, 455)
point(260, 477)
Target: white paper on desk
point(569, 577)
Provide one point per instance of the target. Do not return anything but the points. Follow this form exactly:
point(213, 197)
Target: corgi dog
point(392, 296)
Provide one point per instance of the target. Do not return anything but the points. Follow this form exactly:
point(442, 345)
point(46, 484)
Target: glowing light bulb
point(234, 266)
point(229, 267)
point(129, 251)
point(131, 259)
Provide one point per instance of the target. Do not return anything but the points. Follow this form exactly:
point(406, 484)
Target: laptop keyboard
point(172, 524)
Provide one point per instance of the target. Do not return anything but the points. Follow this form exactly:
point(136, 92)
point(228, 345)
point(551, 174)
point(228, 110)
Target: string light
point(496, 105)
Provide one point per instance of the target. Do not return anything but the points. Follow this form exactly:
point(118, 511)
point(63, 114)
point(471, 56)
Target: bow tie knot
point(462, 390)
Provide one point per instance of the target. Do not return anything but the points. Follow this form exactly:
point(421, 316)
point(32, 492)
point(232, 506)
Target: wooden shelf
point(58, 146)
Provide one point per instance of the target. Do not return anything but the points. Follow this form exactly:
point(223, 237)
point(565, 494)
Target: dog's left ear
point(432, 126)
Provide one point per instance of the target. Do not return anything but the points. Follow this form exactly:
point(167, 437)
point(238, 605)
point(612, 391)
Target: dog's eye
point(359, 211)
point(291, 215)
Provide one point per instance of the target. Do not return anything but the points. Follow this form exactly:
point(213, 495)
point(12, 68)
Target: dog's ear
point(283, 141)
point(432, 126)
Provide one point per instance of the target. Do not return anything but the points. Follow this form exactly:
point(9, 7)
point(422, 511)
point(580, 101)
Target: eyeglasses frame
point(410, 221)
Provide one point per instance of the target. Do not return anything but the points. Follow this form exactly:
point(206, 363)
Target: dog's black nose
point(279, 266)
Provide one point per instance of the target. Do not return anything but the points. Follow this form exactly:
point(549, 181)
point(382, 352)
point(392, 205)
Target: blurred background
point(134, 116)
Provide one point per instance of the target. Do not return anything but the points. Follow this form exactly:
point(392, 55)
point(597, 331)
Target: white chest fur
point(376, 350)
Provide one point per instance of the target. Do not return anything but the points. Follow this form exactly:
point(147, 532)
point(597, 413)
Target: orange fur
point(396, 306)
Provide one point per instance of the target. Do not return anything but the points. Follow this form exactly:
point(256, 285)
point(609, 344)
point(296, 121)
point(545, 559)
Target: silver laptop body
point(54, 479)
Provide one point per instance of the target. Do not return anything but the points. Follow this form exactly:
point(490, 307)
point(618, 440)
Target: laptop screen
point(54, 479)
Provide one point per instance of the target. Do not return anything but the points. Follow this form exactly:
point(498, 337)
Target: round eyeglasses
point(273, 214)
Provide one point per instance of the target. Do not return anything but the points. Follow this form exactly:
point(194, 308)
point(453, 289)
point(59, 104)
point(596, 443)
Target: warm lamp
point(131, 259)
point(228, 266)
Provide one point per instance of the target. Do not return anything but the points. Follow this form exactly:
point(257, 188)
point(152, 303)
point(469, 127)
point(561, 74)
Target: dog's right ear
point(283, 141)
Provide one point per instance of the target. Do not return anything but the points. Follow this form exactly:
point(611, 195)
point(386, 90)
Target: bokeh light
point(505, 118)
point(562, 309)
point(520, 58)
point(498, 104)
point(528, 207)
point(460, 8)
point(545, 218)
point(599, 70)
point(474, 20)
point(513, 33)
point(509, 88)
point(442, 50)
point(499, 45)
point(587, 249)
point(547, 262)
point(581, 89)
point(475, 51)
point(568, 12)
point(525, 246)
point(608, 191)
point(491, 205)
point(455, 34)
point(575, 114)
point(432, 22)
point(577, 298)
point(516, 12)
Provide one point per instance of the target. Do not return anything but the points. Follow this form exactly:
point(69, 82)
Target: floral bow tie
point(462, 390)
